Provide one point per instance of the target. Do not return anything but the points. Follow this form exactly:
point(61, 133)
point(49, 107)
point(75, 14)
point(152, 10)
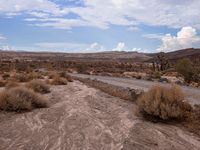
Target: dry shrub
point(192, 122)
point(59, 81)
point(52, 75)
point(164, 103)
point(5, 76)
point(12, 84)
point(38, 86)
point(21, 77)
point(19, 99)
point(62, 74)
point(69, 78)
point(34, 75)
point(2, 83)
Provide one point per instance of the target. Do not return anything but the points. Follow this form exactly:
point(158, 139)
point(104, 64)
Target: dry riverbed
point(84, 118)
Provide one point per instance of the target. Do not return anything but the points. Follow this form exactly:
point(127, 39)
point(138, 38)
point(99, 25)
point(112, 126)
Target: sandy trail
point(83, 118)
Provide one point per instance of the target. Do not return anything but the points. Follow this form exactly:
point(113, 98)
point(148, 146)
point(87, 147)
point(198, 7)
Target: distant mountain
point(109, 55)
point(190, 53)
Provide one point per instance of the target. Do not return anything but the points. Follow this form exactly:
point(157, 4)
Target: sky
point(99, 25)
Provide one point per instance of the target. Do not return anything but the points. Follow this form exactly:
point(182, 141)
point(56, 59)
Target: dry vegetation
point(21, 77)
point(38, 86)
point(58, 81)
point(2, 83)
point(19, 99)
point(164, 103)
point(167, 104)
point(12, 84)
point(69, 78)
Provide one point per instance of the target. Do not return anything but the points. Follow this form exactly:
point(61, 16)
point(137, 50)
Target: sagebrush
point(38, 86)
point(164, 103)
point(19, 99)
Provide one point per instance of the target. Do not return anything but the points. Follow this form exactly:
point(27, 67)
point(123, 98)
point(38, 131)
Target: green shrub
point(188, 70)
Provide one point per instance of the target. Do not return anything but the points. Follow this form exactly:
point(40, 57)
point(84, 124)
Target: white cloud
point(140, 50)
point(185, 38)
point(70, 47)
point(6, 48)
point(95, 47)
point(39, 14)
point(153, 36)
point(120, 47)
point(2, 37)
point(133, 28)
point(102, 14)
point(16, 6)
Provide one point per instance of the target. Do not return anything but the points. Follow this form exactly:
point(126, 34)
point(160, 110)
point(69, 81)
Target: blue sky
point(97, 25)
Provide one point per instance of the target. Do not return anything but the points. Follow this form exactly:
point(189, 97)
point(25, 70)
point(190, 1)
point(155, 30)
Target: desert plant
point(62, 74)
point(5, 76)
point(2, 83)
point(38, 86)
point(59, 81)
point(164, 103)
point(52, 75)
point(156, 75)
point(34, 75)
point(188, 70)
point(21, 77)
point(19, 99)
point(12, 84)
point(69, 78)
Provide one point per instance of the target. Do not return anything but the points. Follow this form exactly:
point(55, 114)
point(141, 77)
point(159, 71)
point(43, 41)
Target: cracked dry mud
point(83, 118)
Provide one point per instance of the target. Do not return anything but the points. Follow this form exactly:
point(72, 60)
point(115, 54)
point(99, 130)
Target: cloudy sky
point(99, 25)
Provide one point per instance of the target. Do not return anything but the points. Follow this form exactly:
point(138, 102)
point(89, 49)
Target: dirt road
point(192, 94)
point(83, 118)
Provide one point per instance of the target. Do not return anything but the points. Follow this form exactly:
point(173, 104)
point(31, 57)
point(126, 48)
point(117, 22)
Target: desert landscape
point(49, 101)
point(99, 75)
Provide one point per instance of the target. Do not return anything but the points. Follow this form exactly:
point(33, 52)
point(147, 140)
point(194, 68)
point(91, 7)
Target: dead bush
point(12, 84)
point(2, 83)
point(69, 78)
point(19, 99)
point(38, 86)
point(59, 81)
point(34, 75)
point(52, 75)
point(21, 77)
point(5, 76)
point(62, 74)
point(164, 103)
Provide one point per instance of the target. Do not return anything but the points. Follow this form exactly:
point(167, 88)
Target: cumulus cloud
point(118, 12)
point(121, 46)
point(6, 48)
point(95, 47)
point(185, 38)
